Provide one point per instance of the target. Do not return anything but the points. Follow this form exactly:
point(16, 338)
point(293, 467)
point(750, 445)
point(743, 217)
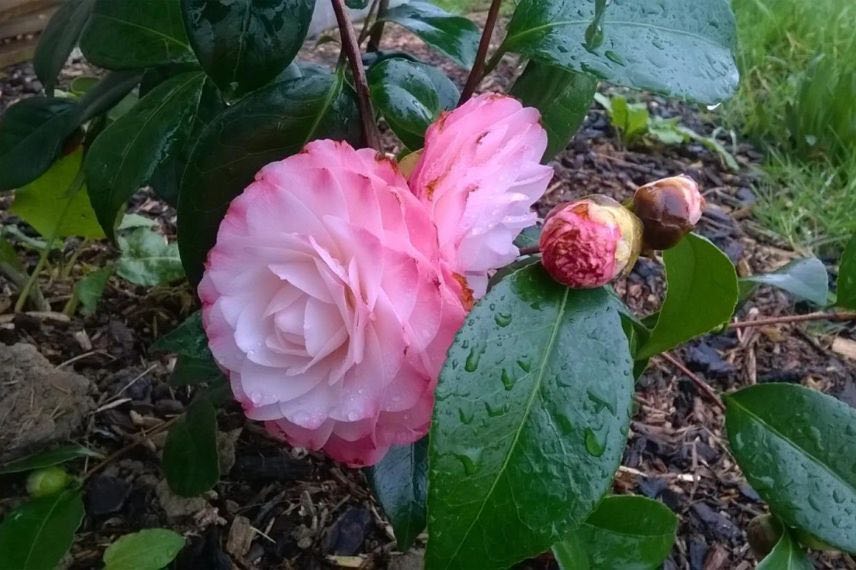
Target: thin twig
point(371, 137)
point(369, 22)
point(699, 383)
point(478, 72)
point(377, 29)
point(139, 440)
point(818, 316)
point(530, 250)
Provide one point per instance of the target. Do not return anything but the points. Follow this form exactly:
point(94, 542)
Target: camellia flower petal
point(480, 173)
point(589, 242)
point(326, 301)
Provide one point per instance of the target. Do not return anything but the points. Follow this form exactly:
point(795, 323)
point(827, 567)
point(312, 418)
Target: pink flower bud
point(590, 242)
point(669, 209)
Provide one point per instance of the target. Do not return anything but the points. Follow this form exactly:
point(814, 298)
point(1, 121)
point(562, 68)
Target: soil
point(277, 507)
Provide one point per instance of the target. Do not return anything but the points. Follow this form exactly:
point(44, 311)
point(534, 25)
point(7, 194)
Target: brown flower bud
point(669, 209)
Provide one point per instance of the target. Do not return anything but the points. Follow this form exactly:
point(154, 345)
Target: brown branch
point(703, 386)
point(530, 250)
point(819, 316)
point(377, 29)
point(371, 137)
point(477, 73)
point(137, 441)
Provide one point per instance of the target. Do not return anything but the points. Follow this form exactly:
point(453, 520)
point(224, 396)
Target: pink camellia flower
point(589, 242)
point(669, 209)
point(480, 173)
point(333, 292)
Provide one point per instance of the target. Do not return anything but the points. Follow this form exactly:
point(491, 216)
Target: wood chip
point(240, 538)
point(845, 347)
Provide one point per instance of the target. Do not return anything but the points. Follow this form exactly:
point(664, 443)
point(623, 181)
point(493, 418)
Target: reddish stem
point(477, 73)
point(819, 316)
point(699, 383)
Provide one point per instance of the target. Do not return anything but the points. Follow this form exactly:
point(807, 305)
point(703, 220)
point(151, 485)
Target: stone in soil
point(348, 533)
point(105, 495)
point(39, 403)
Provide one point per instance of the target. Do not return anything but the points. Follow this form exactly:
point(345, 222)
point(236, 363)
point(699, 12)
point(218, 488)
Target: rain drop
point(472, 363)
point(502, 319)
point(507, 380)
point(593, 444)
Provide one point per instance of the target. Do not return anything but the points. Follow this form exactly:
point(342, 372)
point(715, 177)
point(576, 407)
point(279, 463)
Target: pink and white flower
point(334, 291)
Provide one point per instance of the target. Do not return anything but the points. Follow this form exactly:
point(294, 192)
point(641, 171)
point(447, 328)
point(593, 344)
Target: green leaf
point(630, 120)
point(107, 93)
point(90, 289)
point(58, 39)
point(191, 371)
point(150, 549)
point(129, 34)
point(9, 256)
point(846, 293)
point(563, 98)
point(190, 455)
point(666, 131)
point(243, 44)
point(455, 36)
point(674, 46)
point(124, 157)
point(44, 459)
point(187, 339)
point(701, 295)
point(148, 258)
point(624, 533)
point(408, 95)
point(529, 237)
point(786, 555)
point(56, 203)
point(532, 410)
point(37, 535)
point(32, 133)
point(795, 447)
point(803, 278)
point(269, 124)
point(400, 483)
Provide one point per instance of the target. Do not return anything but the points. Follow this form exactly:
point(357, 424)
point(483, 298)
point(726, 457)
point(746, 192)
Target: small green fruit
point(47, 481)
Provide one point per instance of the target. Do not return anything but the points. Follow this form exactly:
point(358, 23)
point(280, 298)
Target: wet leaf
point(410, 96)
point(672, 46)
point(563, 98)
point(455, 36)
point(32, 133)
point(124, 34)
point(190, 455)
point(243, 44)
point(532, 408)
point(191, 371)
point(795, 447)
point(150, 549)
point(44, 459)
point(269, 124)
point(701, 294)
point(786, 555)
point(108, 92)
point(90, 289)
point(187, 339)
point(37, 535)
point(803, 278)
point(148, 258)
point(400, 483)
point(58, 39)
point(846, 294)
point(624, 533)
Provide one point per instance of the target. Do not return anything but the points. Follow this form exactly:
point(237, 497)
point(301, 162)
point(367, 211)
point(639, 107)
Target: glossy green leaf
point(190, 455)
point(56, 203)
point(267, 125)
point(846, 293)
point(408, 95)
point(8, 255)
point(191, 371)
point(563, 97)
point(629, 119)
point(624, 533)
point(243, 44)
point(149, 549)
point(107, 93)
point(701, 294)
point(124, 157)
point(37, 535)
point(147, 258)
point(786, 555)
point(58, 39)
point(455, 36)
point(90, 289)
point(187, 339)
point(400, 484)
point(32, 133)
point(803, 278)
point(795, 447)
point(124, 34)
point(43, 459)
point(529, 237)
point(672, 46)
point(532, 409)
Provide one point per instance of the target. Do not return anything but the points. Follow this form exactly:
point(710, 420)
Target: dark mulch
point(285, 508)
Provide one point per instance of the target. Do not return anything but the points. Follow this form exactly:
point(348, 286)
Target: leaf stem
point(703, 386)
point(377, 29)
point(371, 136)
point(479, 70)
point(818, 316)
point(530, 250)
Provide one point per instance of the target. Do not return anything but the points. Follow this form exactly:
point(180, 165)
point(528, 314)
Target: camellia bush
point(406, 313)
